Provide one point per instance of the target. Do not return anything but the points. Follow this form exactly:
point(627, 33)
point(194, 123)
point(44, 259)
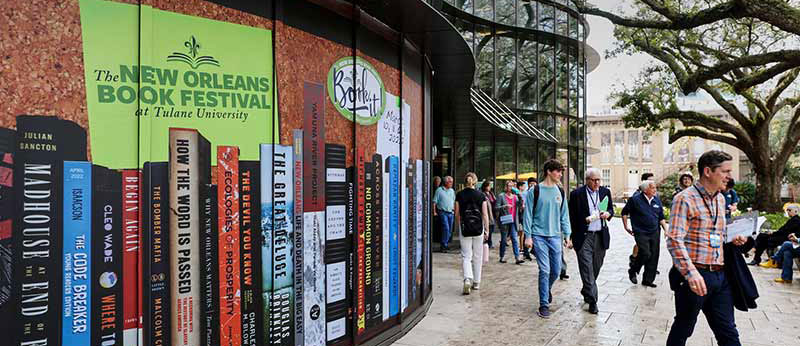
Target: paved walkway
point(503, 311)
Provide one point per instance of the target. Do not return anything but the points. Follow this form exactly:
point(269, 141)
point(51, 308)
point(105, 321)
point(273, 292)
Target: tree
point(744, 54)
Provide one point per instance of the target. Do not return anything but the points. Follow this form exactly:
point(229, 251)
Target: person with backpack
point(472, 217)
point(506, 205)
point(547, 226)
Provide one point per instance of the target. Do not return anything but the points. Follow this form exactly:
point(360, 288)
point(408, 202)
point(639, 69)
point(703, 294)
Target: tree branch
point(734, 111)
point(762, 76)
point(785, 81)
point(792, 138)
point(696, 119)
point(695, 132)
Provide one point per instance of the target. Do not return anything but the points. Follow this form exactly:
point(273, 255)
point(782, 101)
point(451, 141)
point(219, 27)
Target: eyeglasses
point(596, 180)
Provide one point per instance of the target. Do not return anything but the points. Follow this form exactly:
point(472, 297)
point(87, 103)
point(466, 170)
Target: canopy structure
point(498, 114)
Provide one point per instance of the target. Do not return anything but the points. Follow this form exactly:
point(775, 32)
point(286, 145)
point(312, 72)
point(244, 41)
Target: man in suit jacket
point(590, 236)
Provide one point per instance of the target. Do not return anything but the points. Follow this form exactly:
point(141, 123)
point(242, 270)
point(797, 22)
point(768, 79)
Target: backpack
point(536, 196)
point(472, 220)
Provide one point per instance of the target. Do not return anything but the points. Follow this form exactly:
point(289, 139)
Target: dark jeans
point(590, 259)
point(717, 306)
point(447, 225)
point(489, 239)
point(763, 242)
point(786, 256)
point(649, 248)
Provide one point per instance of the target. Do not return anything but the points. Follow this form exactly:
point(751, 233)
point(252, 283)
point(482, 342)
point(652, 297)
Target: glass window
point(483, 9)
point(484, 54)
point(527, 13)
point(562, 128)
point(548, 123)
point(547, 18)
point(573, 81)
point(575, 176)
point(506, 79)
point(546, 152)
point(561, 156)
point(546, 73)
point(466, 29)
point(581, 31)
point(526, 75)
point(562, 23)
point(581, 87)
point(633, 145)
point(504, 12)
point(605, 147)
point(483, 159)
point(573, 27)
point(619, 146)
point(527, 159)
point(573, 132)
point(463, 154)
point(606, 176)
point(647, 146)
point(464, 5)
point(562, 79)
point(581, 131)
point(506, 169)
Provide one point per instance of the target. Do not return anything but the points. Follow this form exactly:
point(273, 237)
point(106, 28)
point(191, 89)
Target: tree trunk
point(768, 191)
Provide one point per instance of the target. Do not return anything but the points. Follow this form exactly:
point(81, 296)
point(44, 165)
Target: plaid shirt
point(691, 225)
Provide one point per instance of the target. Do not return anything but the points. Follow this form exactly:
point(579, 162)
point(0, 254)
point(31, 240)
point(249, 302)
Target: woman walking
point(472, 217)
point(486, 188)
point(506, 207)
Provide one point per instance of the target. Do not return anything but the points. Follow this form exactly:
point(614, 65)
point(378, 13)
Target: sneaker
point(528, 257)
point(769, 264)
point(782, 281)
point(593, 309)
point(519, 261)
point(503, 261)
point(754, 262)
point(476, 285)
point(564, 276)
point(544, 312)
point(649, 284)
point(467, 286)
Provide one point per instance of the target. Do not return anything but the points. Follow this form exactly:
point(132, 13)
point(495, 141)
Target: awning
point(503, 117)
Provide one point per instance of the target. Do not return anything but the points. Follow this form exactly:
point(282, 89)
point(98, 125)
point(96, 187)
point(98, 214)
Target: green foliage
point(618, 211)
point(747, 195)
point(774, 220)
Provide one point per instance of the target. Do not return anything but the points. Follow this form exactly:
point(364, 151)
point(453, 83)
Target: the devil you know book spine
point(155, 254)
point(336, 246)
point(230, 313)
point(393, 166)
point(7, 305)
point(77, 253)
point(277, 205)
point(250, 251)
point(210, 269)
point(43, 143)
point(107, 252)
point(297, 162)
point(184, 233)
point(130, 258)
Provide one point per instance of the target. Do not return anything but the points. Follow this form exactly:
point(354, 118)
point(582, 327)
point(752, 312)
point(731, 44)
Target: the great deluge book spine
point(7, 305)
point(277, 204)
point(108, 280)
point(230, 313)
point(155, 254)
point(77, 253)
point(377, 241)
point(184, 233)
point(42, 144)
point(360, 281)
point(210, 269)
point(297, 144)
point(130, 258)
point(250, 251)
point(393, 166)
point(336, 245)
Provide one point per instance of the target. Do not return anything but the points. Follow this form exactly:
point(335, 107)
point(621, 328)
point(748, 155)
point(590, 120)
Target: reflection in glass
point(483, 159)
point(573, 27)
point(504, 12)
point(547, 18)
point(561, 23)
point(484, 52)
point(464, 5)
point(506, 78)
point(573, 81)
point(562, 76)
point(562, 129)
point(581, 88)
point(527, 159)
point(527, 76)
point(506, 169)
point(573, 132)
point(546, 73)
point(527, 13)
point(546, 151)
point(561, 156)
point(483, 9)
point(575, 176)
point(463, 154)
point(466, 29)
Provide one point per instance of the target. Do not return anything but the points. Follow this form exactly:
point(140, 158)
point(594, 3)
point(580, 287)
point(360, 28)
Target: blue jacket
point(645, 217)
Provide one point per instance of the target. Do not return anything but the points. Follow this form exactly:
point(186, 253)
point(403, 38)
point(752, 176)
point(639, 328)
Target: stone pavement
point(502, 312)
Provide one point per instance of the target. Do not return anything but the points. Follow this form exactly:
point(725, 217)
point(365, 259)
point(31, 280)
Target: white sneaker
point(476, 285)
point(467, 286)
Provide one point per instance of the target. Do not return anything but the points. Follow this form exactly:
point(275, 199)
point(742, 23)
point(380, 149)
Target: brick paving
point(502, 312)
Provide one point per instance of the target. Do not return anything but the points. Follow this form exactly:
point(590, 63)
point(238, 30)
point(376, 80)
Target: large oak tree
point(745, 54)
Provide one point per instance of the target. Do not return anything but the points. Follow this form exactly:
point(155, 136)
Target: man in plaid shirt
point(695, 238)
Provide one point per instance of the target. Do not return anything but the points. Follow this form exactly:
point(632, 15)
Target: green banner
point(148, 70)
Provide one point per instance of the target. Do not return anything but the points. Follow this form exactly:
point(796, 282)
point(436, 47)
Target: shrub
point(747, 194)
point(774, 220)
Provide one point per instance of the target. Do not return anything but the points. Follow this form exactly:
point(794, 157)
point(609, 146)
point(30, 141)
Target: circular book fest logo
point(365, 96)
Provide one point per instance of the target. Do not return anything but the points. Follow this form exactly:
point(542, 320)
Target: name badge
point(715, 240)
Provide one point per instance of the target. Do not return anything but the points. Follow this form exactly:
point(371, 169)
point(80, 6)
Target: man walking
point(590, 234)
point(694, 240)
point(443, 201)
point(646, 213)
point(547, 225)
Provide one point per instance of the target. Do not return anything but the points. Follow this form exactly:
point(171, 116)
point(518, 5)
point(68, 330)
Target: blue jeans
point(509, 230)
point(548, 257)
point(786, 254)
point(717, 306)
point(447, 225)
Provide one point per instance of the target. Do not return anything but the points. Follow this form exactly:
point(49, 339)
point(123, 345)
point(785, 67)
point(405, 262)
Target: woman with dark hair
point(486, 188)
point(686, 180)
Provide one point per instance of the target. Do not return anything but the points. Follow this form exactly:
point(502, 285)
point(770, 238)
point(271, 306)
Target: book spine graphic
point(42, 145)
point(210, 270)
point(377, 239)
point(250, 245)
point(130, 258)
point(108, 281)
point(277, 204)
point(405, 220)
point(7, 306)
point(360, 247)
point(155, 257)
point(336, 245)
point(351, 220)
point(297, 140)
point(184, 233)
point(418, 221)
point(230, 314)
point(77, 253)
point(426, 197)
point(411, 226)
point(393, 166)
point(385, 238)
point(314, 214)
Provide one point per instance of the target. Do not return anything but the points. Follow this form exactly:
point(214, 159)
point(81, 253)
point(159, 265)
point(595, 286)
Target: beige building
point(623, 154)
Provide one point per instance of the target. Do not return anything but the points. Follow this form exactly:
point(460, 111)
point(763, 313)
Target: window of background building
point(506, 65)
point(484, 51)
point(605, 147)
point(606, 177)
point(504, 158)
point(633, 145)
point(547, 17)
point(647, 146)
point(526, 13)
point(619, 147)
point(504, 12)
point(483, 9)
point(526, 74)
point(546, 72)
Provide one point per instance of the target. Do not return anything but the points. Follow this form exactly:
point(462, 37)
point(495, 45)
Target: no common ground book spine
point(7, 305)
point(250, 252)
point(130, 259)
point(370, 301)
point(230, 313)
point(297, 143)
point(108, 279)
point(336, 245)
point(156, 307)
point(77, 253)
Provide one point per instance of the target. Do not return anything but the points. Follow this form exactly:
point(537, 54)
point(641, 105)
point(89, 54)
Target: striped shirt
point(692, 225)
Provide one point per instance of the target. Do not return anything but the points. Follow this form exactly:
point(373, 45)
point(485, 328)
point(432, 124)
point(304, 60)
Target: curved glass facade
point(530, 55)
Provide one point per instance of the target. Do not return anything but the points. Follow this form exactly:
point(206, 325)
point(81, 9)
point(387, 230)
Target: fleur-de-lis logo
point(192, 59)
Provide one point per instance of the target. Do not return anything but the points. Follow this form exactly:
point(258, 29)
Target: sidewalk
point(503, 311)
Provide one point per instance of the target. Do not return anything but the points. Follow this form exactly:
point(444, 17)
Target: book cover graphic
point(393, 167)
point(230, 313)
point(426, 191)
point(277, 205)
point(360, 282)
point(418, 221)
point(7, 305)
point(77, 257)
point(373, 241)
point(210, 269)
point(336, 242)
point(250, 251)
point(184, 232)
point(130, 258)
point(313, 214)
point(155, 254)
point(411, 227)
point(405, 222)
point(297, 142)
point(43, 143)
point(108, 281)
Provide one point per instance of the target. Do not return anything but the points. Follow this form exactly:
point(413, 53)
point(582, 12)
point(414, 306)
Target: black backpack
point(536, 196)
point(472, 220)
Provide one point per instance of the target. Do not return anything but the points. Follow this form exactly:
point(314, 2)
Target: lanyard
point(594, 202)
point(713, 203)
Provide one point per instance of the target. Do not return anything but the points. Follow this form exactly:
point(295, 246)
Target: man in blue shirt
point(731, 199)
point(547, 225)
point(443, 202)
point(647, 216)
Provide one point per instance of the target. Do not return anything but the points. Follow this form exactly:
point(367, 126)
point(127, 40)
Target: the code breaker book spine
point(77, 253)
point(43, 143)
point(155, 254)
point(230, 314)
point(360, 245)
point(297, 140)
point(7, 304)
point(376, 185)
point(210, 270)
point(107, 252)
point(393, 166)
point(250, 251)
point(277, 205)
point(336, 246)
point(130, 258)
